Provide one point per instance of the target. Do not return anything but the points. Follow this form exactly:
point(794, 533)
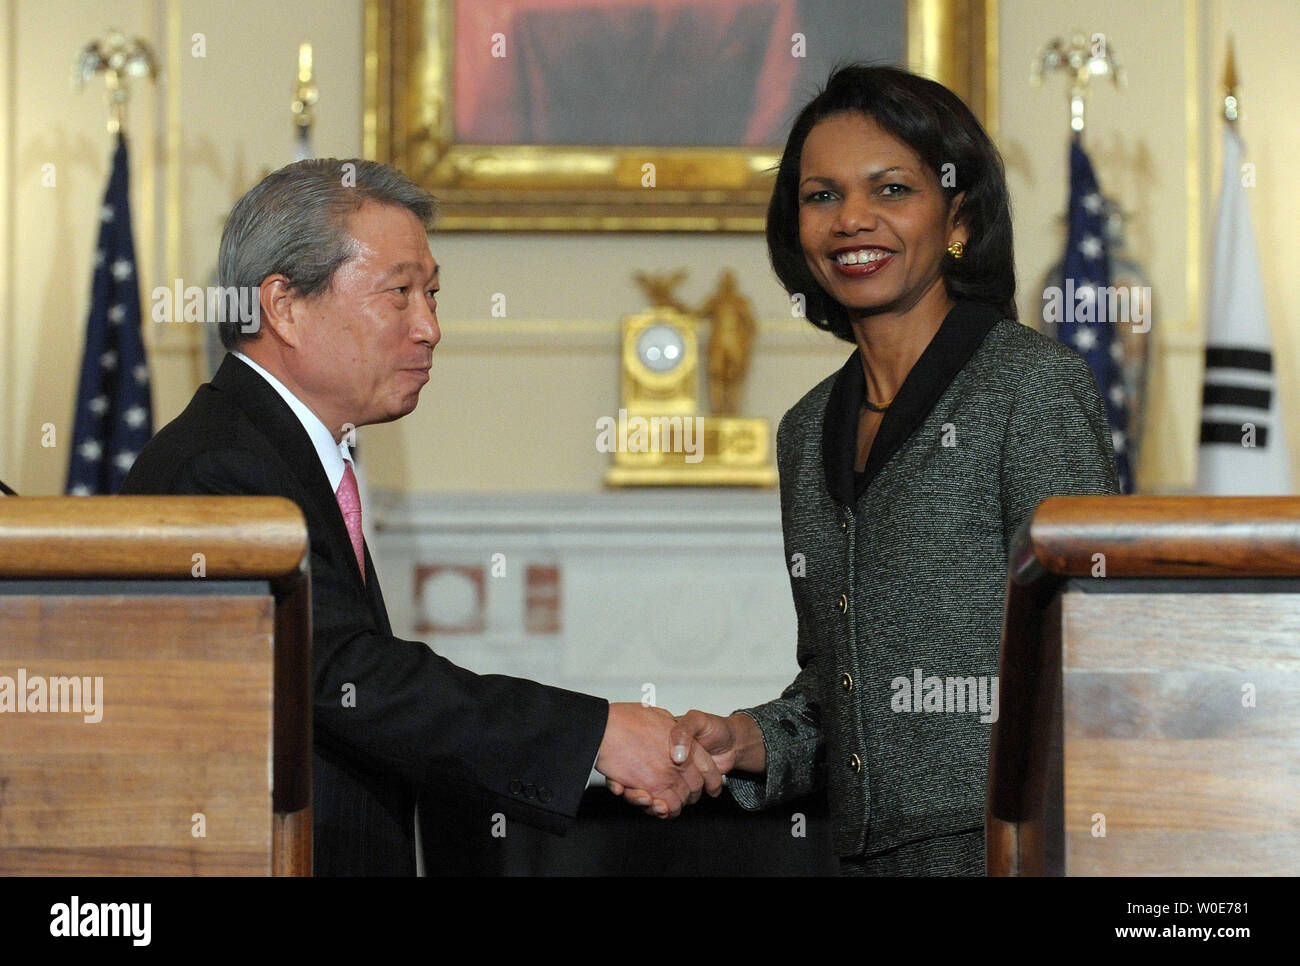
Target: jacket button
point(530, 790)
point(844, 603)
point(844, 524)
point(855, 764)
point(544, 794)
point(846, 679)
point(516, 787)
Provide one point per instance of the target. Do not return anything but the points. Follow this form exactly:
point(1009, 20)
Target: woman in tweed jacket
point(904, 475)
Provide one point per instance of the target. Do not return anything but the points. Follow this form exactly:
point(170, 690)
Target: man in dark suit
point(336, 257)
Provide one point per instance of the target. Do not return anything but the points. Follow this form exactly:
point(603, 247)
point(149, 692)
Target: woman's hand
point(734, 742)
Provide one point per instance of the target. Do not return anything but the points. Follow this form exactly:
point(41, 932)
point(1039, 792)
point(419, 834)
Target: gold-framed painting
point(631, 115)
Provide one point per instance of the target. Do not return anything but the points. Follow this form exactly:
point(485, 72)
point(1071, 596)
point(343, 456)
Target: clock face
point(660, 348)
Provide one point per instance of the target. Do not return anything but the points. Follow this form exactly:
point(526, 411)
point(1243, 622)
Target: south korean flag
point(1243, 447)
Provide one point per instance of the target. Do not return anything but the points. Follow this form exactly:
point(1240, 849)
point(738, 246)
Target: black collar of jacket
point(277, 422)
point(271, 414)
point(962, 332)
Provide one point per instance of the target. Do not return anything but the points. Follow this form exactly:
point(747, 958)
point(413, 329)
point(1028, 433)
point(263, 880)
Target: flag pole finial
point(118, 58)
point(1231, 105)
point(305, 93)
point(1083, 58)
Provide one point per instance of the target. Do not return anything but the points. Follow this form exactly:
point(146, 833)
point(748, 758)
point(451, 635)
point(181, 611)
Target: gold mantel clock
point(659, 437)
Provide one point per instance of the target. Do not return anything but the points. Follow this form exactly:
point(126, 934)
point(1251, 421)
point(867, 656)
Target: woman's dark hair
point(933, 122)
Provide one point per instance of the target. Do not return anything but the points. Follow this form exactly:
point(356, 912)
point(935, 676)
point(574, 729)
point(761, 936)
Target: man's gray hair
point(294, 223)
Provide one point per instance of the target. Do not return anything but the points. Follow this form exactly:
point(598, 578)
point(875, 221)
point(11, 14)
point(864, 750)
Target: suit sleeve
point(1057, 442)
point(790, 724)
point(396, 707)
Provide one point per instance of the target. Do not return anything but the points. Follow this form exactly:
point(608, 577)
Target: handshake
point(661, 763)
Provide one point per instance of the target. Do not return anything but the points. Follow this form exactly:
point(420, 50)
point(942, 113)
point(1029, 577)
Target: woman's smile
point(860, 262)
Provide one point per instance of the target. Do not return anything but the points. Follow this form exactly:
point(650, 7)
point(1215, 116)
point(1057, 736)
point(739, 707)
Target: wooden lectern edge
point(292, 741)
point(151, 537)
point(1158, 536)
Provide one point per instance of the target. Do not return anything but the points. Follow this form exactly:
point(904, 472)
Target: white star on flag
point(1090, 246)
point(99, 405)
point(1117, 394)
point(90, 450)
point(1117, 351)
point(123, 460)
point(106, 213)
point(1092, 203)
point(141, 373)
point(109, 359)
point(121, 269)
point(1085, 338)
point(99, 257)
point(135, 416)
point(1117, 437)
point(116, 314)
point(80, 490)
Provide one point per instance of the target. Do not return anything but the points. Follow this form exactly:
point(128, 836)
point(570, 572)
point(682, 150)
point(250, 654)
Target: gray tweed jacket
point(899, 575)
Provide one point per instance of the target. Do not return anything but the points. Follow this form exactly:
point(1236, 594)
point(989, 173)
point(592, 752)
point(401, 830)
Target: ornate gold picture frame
point(410, 122)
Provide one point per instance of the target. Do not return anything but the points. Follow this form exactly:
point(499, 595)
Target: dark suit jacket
point(511, 745)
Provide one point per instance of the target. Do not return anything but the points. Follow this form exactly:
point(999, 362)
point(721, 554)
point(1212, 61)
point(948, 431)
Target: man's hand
point(636, 754)
point(715, 745)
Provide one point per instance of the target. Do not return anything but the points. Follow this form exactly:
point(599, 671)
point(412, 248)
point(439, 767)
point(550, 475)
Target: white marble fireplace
point(678, 595)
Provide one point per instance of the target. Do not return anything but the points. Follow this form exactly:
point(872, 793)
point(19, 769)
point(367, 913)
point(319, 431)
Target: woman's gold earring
point(957, 249)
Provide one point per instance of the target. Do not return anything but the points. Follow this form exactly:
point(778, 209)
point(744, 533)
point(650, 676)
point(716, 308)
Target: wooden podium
point(155, 706)
point(1150, 690)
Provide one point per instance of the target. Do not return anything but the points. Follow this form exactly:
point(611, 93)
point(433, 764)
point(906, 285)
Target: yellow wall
point(513, 401)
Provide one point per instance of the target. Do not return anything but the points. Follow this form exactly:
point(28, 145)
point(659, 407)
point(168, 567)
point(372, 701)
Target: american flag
point(1085, 324)
point(113, 419)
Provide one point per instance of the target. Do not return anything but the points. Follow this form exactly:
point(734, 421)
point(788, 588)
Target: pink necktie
point(350, 503)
